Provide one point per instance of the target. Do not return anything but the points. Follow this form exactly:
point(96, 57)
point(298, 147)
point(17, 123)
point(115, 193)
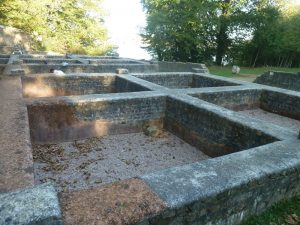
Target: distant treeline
point(245, 32)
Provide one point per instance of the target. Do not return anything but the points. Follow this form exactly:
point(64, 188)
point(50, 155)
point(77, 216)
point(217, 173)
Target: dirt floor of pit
point(273, 118)
point(97, 161)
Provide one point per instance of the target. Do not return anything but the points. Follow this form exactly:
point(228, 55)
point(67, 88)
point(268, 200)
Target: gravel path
point(285, 122)
point(97, 161)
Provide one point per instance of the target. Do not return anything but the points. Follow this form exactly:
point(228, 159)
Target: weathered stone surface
point(37, 205)
point(16, 164)
point(184, 80)
point(49, 85)
point(122, 71)
point(285, 80)
point(228, 189)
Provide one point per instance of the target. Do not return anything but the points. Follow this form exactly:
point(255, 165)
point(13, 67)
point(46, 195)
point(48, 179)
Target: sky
point(124, 22)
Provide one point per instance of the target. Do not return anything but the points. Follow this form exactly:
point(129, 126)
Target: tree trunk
point(222, 37)
point(254, 63)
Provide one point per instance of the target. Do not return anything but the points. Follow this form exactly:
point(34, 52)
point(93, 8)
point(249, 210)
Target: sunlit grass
point(246, 71)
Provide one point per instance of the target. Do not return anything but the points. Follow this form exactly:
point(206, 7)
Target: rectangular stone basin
point(87, 141)
point(47, 85)
point(184, 80)
point(278, 108)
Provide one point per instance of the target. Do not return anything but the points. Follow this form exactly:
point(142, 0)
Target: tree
point(74, 26)
point(175, 28)
point(247, 32)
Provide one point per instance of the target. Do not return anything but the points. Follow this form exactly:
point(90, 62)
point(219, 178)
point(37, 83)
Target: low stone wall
point(280, 103)
point(184, 80)
point(181, 67)
point(71, 118)
point(285, 80)
point(52, 85)
point(211, 133)
point(37, 205)
point(75, 68)
point(234, 100)
point(76, 84)
point(286, 104)
point(169, 80)
point(228, 189)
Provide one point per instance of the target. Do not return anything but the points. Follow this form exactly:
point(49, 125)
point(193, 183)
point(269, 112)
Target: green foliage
point(74, 26)
point(247, 32)
point(285, 213)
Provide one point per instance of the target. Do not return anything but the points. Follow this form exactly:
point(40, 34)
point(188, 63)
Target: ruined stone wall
point(184, 80)
point(280, 103)
point(170, 81)
point(71, 118)
point(51, 85)
point(285, 80)
point(81, 68)
point(201, 81)
point(181, 67)
point(221, 200)
point(235, 100)
point(210, 132)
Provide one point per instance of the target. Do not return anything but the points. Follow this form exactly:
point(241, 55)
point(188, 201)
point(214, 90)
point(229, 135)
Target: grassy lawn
point(246, 71)
point(283, 213)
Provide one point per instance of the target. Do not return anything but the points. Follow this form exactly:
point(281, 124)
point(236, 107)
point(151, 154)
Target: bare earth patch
point(125, 202)
point(97, 161)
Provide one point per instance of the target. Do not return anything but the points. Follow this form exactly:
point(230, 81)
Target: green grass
point(283, 213)
point(246, 71)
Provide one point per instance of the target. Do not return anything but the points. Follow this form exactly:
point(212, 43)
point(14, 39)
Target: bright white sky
point(124, 22)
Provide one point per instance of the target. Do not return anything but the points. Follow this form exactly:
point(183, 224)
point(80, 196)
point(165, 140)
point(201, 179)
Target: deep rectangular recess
point(181, 81)
point(77, 84)
point(260, 104)
point(210, 133)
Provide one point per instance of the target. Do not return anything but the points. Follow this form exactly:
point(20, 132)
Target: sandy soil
point(97, 161)
point(285, 122)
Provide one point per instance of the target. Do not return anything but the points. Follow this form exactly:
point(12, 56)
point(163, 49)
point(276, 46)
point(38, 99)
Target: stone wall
point(285, 80)
point(273, 101)
point(75, 68)
point(210, 132)
point(280, 103)
point(229, 189)
point(235, 100)
point(181, 67)
point(184, 80)
point(71, 118)
point(51, 85)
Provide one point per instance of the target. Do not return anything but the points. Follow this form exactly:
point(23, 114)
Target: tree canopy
point(74, 26)
point(248, 32)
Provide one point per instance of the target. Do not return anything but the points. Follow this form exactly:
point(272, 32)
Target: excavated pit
point(81, 145)
point(273, 107)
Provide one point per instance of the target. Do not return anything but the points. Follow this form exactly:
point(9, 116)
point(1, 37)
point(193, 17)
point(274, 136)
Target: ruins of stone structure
point(285, 80)
point(121, 141)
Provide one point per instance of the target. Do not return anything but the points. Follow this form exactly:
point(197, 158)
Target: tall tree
point(59, 25)
point(248, 32)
